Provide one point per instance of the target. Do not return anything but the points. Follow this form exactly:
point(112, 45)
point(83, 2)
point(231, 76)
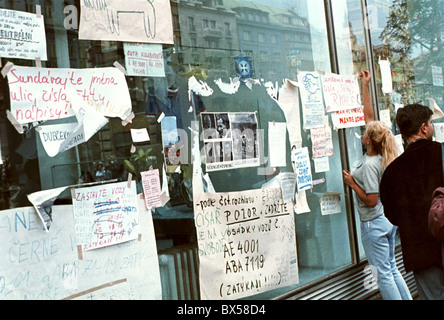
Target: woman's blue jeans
point(378, 239)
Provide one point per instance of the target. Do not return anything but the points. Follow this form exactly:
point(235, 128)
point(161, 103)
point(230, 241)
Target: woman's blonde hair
point(383, 141)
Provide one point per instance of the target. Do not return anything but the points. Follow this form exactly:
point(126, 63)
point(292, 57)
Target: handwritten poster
point(302, 168)
point(144, 59)
point(105, 215)
point(40, 265)
point(247, 243)
point(132, 21)
point(22, 35)
point(46, 93)
point(321, 140)
point(348, 118)
point(330, 203)
point(313, 109)
point(151, 188)
point(340, 92)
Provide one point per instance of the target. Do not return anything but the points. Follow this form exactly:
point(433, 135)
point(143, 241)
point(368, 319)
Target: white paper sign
point(437, 76)
point(302, 168)
point(39, 265)
point(386, 76)
point(321, 164)
point(247, 243)
point(348, 118)
point(46, 93)
point(400, 146)
point(132, 21)
point(105, 215)
point(140, 135)
point(439, 132)
point(22, 35)
point(340, 92)
point(43, 202)
point(322, 142)
point(301, 203)
point(288, 185)
point(311, 99)
point(144, 59)
point(151, 188)
point(89, 120)
point(384, 115)
point(53, 135)
point(277, 134)
point(330, 203)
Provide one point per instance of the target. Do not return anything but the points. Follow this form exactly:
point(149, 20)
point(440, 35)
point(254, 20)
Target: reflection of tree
point(415, 22)
point(414, 30)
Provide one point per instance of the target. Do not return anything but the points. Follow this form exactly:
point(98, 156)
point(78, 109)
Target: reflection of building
point(278, 39)
point(214, 32)
point(207, 35)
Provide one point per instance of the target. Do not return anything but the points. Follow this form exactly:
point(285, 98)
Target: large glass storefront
point(263, 45)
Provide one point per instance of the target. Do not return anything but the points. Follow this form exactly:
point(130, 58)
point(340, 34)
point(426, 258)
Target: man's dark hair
point(411, 117)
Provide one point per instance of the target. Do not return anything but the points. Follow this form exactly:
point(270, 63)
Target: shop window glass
point(350, 43)
point(408, 34)
point(322, 239)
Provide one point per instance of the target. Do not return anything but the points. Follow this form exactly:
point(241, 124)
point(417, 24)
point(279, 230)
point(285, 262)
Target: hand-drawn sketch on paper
point(122, 20)
point(311, 99)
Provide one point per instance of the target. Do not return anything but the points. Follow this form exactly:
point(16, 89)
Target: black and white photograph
point(244, 131)
point(209, 126)
point(223, 125)
point(230, 140)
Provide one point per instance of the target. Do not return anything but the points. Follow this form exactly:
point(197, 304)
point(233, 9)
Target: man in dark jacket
point(406, 192)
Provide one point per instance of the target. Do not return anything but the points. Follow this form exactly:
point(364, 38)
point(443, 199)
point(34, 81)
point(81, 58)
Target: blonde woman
point(377, 233)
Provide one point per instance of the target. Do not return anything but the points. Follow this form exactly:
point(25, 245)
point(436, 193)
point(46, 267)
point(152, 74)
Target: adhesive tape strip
point(14, 122)
point(8, 66)
point(38, 11)
point(120, 67)
point(79, 252)
point(128, 119)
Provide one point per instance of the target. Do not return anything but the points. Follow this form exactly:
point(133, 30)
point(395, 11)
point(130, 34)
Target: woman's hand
point(348, 178)
point(365, 75)
point(370, 199)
